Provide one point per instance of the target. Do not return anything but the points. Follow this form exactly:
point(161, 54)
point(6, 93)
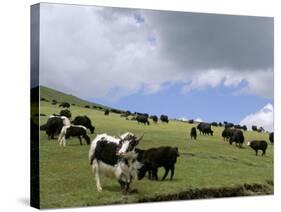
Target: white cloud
point(264, 117)
point(183, 119)
point(258, 83)
point(198, 120)
point(110, 53)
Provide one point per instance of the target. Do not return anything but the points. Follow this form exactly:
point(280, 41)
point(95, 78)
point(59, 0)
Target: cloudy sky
point(186, 65)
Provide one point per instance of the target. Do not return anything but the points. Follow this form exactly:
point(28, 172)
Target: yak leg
point(124, 187)
point(62, 141)
point(166, 173)
point(172, 172)
point(80, 140)
point(97, 174)
point(263, 152)
point(154, 173)
point(149, 174)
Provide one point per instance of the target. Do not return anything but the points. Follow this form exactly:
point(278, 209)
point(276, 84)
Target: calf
point(193, 133)
point(73, 131)
point(258, 145)
point(154, 158)
point(115, 158)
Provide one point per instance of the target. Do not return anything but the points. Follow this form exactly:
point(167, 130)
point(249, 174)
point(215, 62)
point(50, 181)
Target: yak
point(258, 145)
point(152, 159)
point(84, 121)
point(142, 119)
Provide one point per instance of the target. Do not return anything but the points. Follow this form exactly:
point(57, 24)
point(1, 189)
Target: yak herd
point(233, 134)
point(119, 157)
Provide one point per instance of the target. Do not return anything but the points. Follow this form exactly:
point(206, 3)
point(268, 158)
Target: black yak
point(106, 112)
point(64, 104)
point(73, 131)
point(65, 113)
point(193, 133)
point(154, 118)
point(164, 118)
point(237, 137)
point(258, 145)
point(55, 124)
point(142, 119)
point(84, 121)
point(205, 128)
point(271, 137)
point(154, 158)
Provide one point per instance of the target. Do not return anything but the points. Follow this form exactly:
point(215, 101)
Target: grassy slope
point(66, 178)
point(51, 94)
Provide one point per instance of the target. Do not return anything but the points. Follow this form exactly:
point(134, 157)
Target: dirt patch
point(204, 193)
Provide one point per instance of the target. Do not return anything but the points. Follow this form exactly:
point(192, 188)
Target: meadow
point(66, 179)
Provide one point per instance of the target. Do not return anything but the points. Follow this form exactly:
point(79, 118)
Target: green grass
point(50, 94)
point(66, 179)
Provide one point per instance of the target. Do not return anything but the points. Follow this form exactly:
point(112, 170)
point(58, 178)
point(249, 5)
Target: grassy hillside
point(66, 179)
point(50, 94)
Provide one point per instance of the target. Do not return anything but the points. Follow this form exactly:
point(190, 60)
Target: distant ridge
point(50, 94)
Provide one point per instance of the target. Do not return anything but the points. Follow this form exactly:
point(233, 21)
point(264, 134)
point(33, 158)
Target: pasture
point(209, 162)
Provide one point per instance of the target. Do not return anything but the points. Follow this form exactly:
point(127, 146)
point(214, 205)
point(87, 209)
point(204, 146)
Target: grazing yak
point(258, 145)
point(237, 137)
point(65, 113)
point(164, 118)
point(54, 102)
point(227, 133)
point(271, 137)
point(106, 112)
point(64, 104)
point(115, 158)
point(193, 133)
point(73, 131)
point(84, 121)
point(154, 119)
point(55, 124)
point(205, 128)
point(142, 119)
point(228, 124)
point(254, 128)
point(154, 158)
point(215, 124)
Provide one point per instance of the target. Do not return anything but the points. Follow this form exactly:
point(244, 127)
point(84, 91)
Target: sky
point(186, 65)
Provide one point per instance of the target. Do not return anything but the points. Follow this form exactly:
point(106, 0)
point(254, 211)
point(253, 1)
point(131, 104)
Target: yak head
point(127, 144)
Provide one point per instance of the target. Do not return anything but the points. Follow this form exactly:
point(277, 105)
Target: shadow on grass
point(205, 193)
